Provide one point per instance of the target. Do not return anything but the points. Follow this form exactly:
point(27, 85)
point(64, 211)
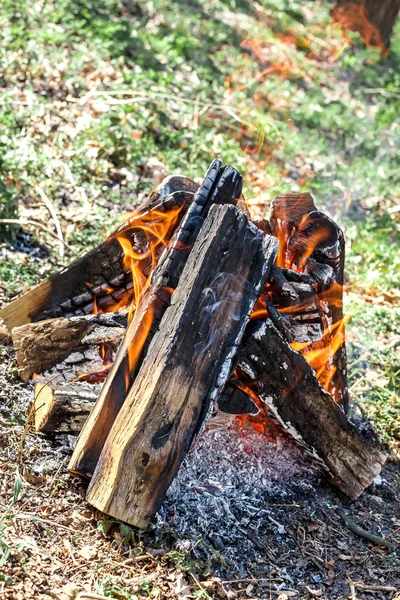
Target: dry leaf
point(87, 552)
point(32, 478)
point(181, 588)
point(312, 525)
point(315, 593)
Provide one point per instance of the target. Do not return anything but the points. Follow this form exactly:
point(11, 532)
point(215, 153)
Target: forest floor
point(98, 101)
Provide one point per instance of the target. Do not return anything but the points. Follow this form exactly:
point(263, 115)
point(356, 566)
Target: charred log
point(41, 346)
point(179, 379)
point(234, 401)
point(220, 185)
point(99, 280)
point(291, 395)
point(313, 245)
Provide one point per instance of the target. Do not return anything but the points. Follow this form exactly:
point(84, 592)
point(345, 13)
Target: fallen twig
point(22, 516)
point(363, 533)
point(54, 216)
point(388, 536)
point(379, 588)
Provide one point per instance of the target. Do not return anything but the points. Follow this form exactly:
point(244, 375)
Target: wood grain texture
point(220, 185)
point(43, 345)
point(63, 407)
point(189, 359)
point(291, 395)
point(98, 276)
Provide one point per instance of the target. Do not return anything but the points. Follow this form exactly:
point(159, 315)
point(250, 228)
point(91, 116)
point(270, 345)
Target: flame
point(154, 229)
point(319, 355)
point(142, 237)
point(354, 17)
point(295, 249)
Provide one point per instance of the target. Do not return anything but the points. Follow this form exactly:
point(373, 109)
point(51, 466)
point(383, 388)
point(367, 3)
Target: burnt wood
point(286, 385)
point(220, 185)
point(99, 280)
point(62, 407)
point(313, 244)
point(296, 304)
point(234, 401)
point(41, 346)
point(189, 359)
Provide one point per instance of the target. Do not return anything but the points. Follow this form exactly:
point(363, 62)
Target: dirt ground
point(249, 516)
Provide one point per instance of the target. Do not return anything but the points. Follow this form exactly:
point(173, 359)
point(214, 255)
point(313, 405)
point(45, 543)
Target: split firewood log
point(73, 346)
point(220, 185)
point(62, 407)
point(101, 278)
point(286, 385)
point(189, 359)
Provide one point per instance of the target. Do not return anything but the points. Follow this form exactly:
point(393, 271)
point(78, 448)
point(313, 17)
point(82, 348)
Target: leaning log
point(220, 185)
point(62, 407)
point(180, 376)
point(286, 385)
point(41, 346)
point(100, 280)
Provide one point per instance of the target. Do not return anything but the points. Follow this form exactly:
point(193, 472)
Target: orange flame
point(142, 237)
point(154, 229)
point(318, 354)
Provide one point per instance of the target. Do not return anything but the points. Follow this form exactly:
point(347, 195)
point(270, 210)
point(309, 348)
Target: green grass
point(90, 90)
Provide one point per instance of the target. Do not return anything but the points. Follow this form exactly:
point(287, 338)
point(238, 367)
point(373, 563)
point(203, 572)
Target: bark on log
point(373, 19)
point(219, 186)
point(63, 407)
point(46, 344)
point(383, 15)
point(291, 394)
point(313, 245)
point(180, 377)
point(99, 279)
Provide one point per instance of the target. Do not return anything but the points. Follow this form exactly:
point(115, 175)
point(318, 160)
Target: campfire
point(188, 311)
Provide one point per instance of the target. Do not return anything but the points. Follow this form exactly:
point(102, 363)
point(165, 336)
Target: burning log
point(285, 383)
point(312, 244)
point(101, 280)
point(294, 306)
point(220, 185)
point(63, 407)
point(46, 344)
point(234, 401)
point(180, 377)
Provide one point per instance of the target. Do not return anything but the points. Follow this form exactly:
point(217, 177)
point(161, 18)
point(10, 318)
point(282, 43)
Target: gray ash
point(226, 488)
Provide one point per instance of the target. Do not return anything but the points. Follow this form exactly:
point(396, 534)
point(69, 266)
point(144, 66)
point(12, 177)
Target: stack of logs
point(212, 329)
